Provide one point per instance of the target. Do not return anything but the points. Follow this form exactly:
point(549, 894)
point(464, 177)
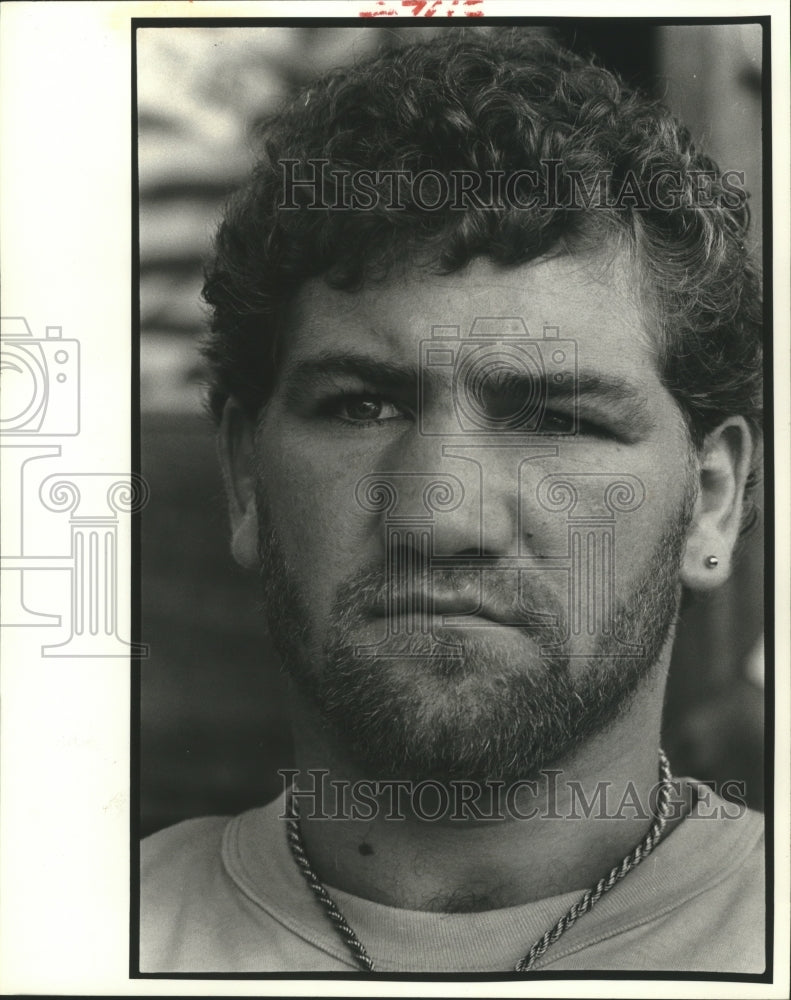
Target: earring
point(711, 562)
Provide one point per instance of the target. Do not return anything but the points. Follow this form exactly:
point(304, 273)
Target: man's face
point(513, 612)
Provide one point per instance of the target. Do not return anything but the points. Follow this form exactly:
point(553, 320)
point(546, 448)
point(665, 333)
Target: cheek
point(314, 515)
point(636, 496)
point(647, 529)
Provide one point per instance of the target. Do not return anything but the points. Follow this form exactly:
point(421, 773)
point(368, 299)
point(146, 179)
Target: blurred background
point(214, 731)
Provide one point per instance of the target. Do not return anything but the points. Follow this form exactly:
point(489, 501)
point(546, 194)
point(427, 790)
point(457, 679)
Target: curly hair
point(489, 101)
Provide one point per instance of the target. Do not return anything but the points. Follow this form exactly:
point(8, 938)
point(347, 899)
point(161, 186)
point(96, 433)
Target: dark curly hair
point(487, 101)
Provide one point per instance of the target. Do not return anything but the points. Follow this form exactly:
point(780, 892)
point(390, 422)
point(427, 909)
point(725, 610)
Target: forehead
point(592, 301)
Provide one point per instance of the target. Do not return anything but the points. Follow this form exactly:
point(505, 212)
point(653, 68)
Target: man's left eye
point(366, 409)
point(559, 422)
point(553, 421)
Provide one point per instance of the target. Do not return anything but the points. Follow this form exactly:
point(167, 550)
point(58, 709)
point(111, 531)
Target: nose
point(462, 498)
point(496, 519)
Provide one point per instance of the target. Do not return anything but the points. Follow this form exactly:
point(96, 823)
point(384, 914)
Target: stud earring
point(711, 562)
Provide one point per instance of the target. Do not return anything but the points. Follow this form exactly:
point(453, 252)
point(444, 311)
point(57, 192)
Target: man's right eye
point(362, 409)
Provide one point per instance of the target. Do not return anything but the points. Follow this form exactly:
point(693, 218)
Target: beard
point(493, 703)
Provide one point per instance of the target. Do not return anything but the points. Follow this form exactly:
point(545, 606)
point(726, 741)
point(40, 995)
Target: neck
point(472, 849)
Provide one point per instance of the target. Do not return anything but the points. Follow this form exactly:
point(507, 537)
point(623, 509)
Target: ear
point(236, 446)
point(724, 465)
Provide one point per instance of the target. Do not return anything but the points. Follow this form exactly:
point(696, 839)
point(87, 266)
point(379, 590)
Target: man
point(486, 357)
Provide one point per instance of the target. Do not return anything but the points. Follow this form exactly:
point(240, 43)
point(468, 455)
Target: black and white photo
point(483, 351)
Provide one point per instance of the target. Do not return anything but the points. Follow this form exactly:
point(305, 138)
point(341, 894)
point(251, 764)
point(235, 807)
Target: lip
point(442, 606)
point(466, 608)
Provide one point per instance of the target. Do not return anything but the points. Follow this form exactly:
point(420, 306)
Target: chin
point(497, 711)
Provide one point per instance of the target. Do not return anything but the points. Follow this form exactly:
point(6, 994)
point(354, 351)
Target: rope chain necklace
point(584, 905)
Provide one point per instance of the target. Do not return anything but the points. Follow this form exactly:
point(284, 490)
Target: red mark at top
point(425, 8)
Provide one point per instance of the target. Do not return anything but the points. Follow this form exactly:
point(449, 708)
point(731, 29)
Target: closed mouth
point(445, 608)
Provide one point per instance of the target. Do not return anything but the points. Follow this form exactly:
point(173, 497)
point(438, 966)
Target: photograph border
point(767, 522)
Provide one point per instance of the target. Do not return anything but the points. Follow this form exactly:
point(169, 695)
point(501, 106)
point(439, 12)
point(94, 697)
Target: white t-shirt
point(224, 895)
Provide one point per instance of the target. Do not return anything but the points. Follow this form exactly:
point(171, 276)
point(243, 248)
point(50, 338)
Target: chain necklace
point(584, 905)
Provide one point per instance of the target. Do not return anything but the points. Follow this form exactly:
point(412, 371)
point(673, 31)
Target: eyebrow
point(323, 368)
point(391, 376)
